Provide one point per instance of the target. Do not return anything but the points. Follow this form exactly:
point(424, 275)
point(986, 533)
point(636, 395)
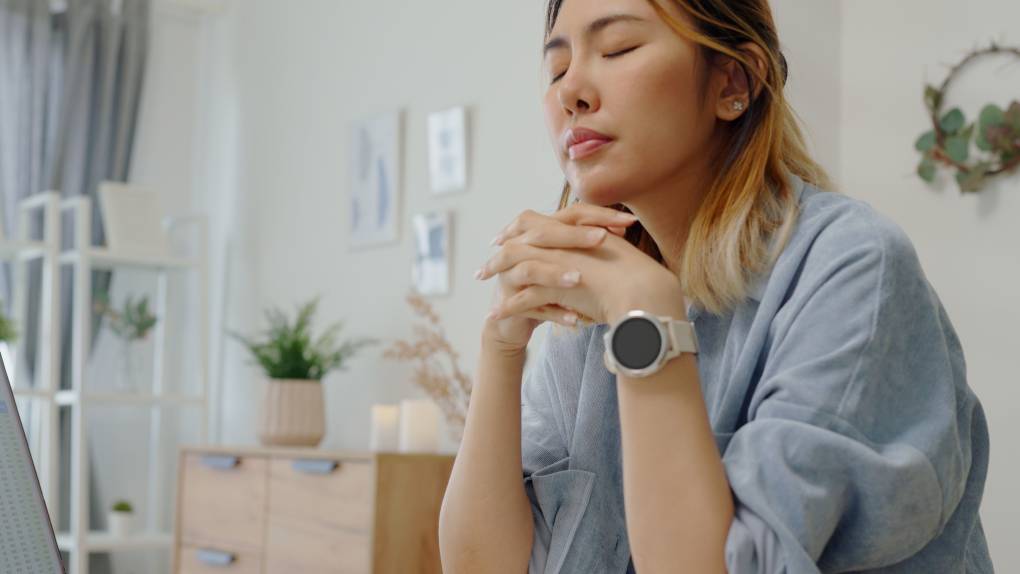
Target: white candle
point(385, 420)
point(419, 425)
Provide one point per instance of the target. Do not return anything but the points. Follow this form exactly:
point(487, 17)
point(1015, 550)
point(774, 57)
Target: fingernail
point(570, 318)
point(625, 216)
point(478, 274)
point(495, 240)
point(596, 234)
point(571, 278)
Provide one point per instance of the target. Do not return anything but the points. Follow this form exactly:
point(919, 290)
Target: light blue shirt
point(838, 397)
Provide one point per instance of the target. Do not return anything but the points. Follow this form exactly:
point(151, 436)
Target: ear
point(733, 84)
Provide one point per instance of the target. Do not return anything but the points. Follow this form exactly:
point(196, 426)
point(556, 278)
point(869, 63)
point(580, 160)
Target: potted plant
point(292, 411)
point(131, 324)
point(8, 335)
point(121, 518)
point(8, 330)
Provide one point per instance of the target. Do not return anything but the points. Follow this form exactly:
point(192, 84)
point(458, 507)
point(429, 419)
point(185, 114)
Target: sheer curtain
point(71, 76)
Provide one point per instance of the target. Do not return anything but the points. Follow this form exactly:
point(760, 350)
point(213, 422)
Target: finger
point(556, 235)
point(519, 225)
point(509, 255)
point(588, 214)
point(525, 300)
point(577, 214)
point(533, 272)
point(553, 313)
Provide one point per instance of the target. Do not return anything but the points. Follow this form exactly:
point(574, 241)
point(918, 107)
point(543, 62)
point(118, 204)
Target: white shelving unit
point(20, 253)
point(82, 259)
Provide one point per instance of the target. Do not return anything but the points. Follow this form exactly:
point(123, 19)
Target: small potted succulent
point(131, 324)
point(121, 519)
point(292, 411)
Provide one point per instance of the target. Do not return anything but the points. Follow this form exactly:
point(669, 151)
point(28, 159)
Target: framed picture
point(376, 180)
point(431, 269)
point(132, 219)
point(448, 150)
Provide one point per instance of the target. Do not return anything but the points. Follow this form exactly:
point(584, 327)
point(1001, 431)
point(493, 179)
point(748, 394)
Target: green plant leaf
point(990, 115)
point(970, 181)
point(926, 141)
point(981, 141)
point(958, 148)
point(288, 350)
point(8, 328)
point(926, 170)
point(952, 121)
point(1000, 137)
point(1012, 116)
point(967, 132)
point(932, 98)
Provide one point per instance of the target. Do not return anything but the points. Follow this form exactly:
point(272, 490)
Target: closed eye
point(621, 52)
point(613, 55)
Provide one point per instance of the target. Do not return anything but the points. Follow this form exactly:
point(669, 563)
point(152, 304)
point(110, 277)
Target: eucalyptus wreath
point(996, 133)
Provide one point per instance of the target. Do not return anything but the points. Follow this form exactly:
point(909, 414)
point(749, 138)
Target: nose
point(576, 91)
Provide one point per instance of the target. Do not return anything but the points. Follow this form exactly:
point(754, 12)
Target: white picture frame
point(447, 144)
point(376, 179)
point(133, 220)
point(430, 271)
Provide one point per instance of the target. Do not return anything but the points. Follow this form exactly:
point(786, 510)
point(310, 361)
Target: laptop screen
point(26, 536)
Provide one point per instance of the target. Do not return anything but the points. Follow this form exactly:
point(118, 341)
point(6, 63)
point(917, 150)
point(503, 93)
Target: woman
point(816, 417)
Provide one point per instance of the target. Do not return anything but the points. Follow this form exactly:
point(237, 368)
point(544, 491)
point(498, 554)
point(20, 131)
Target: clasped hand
point(575, 264)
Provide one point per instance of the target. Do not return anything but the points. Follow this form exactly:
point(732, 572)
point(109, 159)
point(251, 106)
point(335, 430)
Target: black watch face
point(636, 343)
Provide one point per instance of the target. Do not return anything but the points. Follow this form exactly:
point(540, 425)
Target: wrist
point(503, 351)
point(669, 304)
point(660, 294)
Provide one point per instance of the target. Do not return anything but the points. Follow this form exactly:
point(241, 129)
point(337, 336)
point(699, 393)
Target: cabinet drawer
point(320, 516)
point(316, 550)
point(223, 501)
point(209, 560)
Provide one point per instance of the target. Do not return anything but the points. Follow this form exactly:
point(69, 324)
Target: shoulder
point(835, 219)
point(836, 230)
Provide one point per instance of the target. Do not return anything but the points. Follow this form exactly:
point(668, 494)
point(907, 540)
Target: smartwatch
point(640, 343)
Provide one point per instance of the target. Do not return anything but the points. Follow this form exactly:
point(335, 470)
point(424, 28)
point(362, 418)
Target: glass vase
point(128, 378)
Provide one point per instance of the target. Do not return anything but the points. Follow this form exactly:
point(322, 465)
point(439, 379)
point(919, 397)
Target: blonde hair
point(750, 205)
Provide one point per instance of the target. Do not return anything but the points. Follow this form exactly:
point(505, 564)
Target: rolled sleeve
point(855, 449)
point(542, 440)
point(558, 494)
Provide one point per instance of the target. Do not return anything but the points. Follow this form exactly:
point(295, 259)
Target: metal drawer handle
point(211, 557)
point(314, 466)
point(220, 462)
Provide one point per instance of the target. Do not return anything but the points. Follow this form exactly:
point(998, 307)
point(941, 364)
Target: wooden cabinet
point(284, 511)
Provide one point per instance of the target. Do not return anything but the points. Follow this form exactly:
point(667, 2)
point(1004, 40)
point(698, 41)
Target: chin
point(600, 191)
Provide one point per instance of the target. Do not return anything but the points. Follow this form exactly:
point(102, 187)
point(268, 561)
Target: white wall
point(967, 244)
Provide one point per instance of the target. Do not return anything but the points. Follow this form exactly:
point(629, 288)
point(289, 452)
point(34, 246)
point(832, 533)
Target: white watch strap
point(685, 340)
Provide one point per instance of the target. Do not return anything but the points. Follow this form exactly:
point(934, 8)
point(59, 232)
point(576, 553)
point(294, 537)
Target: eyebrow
point(593, 28)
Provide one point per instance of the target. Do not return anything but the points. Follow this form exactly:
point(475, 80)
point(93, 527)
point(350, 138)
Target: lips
point(579, 142)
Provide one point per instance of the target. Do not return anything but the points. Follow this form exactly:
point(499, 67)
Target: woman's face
point(633, 79)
